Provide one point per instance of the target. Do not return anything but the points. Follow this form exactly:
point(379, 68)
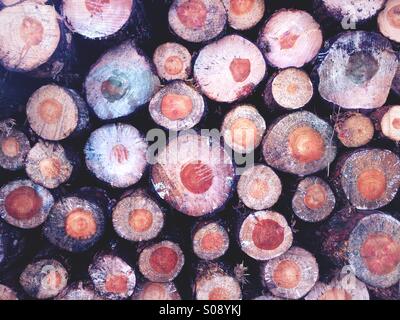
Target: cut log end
point(25, 204)
point(177, 106)
point(291, 275)
point(44, 279)
point(14, 147)
point(161, 262)
point(259, 187)
point(352, 11)
point(264, 235)
point(137, 217)
point(389, 123)
point(197, 20)
point(243, 128)
point(210, 241)
point(374, 250)
point(189, 170)
point(157, 291)
point(354, 129)
point(244, 14)
point(173, 61)
point(313, 200)
point(112, 277)
point(74, 224)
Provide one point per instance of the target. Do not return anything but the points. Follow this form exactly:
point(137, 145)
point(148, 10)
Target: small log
point(197, 20)
point(354, 129)
point(264, 235)
point(193, 174)
point(299, 143)
point(259, 187)
point(56, 113)
point(387, 122)
point(357, 70)
point(243, 128)
point(214, 283)
point(116, 154)
point(44, 279)
point(365, 177)
point(173, 61)
point(313, 200)
point(374, 250)
point(210, 240)
point(14, 146)
point(137, 217)
point(288, 89)
point(25, 204)
point(161, 262)
point(112, 277)
point(120, 81)
point(389, 20)
point(177, 106)
point(291, 275)
point(290, 38)
point(229, 69)
point(75, 224)
point(49, 165)
point(244, 14)
point(156, 291)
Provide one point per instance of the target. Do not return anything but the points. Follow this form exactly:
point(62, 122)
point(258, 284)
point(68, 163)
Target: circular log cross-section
point(44, 279)
point(112, 277)
point(299, 143)
point(97, 18)
point(290, 89)
point(120, 81)
point(265, 235)
point(210, 241)
point(173, 61)
point(313, 200)
point(388, 121)
point(243, 128)
point(55, 113)
point(14, 146)
point(156, 291)
point(290, 38)
point(30, 34)
point(193, 174)
point(137, 217)
point(357, 71)
point(116, 154)
point(389, 20)
point(244, 14)
point(74, 224)
point(48, 165)
point(24, 204)
point(374, 250)
point(366, 180)
point(229, 69)
point(161, 262)
point(354, 129)
point(259, 187)
point(291, 275)
point(177, 106)
point(197, 20)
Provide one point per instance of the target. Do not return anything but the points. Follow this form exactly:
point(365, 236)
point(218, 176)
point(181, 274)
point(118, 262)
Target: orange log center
point(140, 220)
point(116, 283)
point(52, 280)
point(176, 106)
point(258, 188)
point(244, 133)
point(240, 7)
point(23, 203)
point(268, 234)
point(288, 40)
point(50, 168)
point(163, 260)
point(120, 153)
point(381, 253)
point(50, 111)
point(31, 31)
point(393, 16)
point(396, 123)
point(371, 184)
point(80, 224)
point(173, 65)
point(287, 274)
point(306, 144)
point(192, 14)
point(10, 147)
point(154, 291)
point(219, 293)
point(315, 197)
point(197, 177)
point(212, 241)
point(96, 7)
point(240, 69)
